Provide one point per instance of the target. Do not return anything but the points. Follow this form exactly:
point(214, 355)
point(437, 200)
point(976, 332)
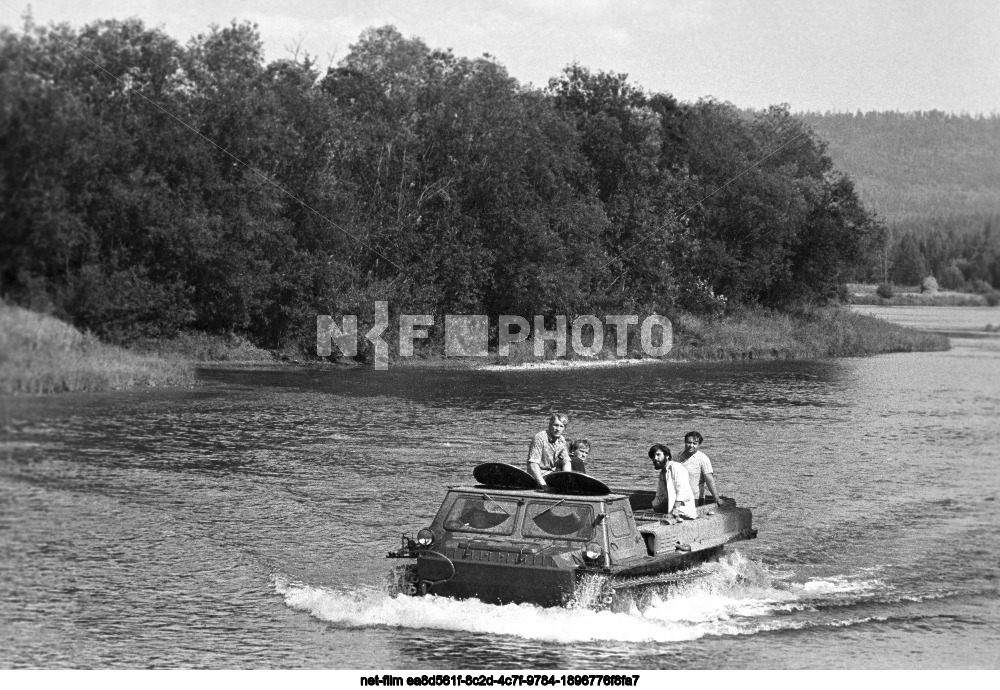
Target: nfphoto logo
point(467, 335)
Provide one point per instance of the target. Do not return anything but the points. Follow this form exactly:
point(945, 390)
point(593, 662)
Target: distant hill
point(910, 167)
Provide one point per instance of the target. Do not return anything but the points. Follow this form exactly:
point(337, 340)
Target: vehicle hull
point(506, 584)
point(639, 548)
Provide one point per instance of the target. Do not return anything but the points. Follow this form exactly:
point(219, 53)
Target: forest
point(149, 188)
point(933, 178)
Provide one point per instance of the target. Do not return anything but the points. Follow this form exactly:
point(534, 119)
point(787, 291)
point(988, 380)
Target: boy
point(578, 452)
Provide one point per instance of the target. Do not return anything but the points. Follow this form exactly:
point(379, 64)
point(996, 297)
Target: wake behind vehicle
point(505, 541)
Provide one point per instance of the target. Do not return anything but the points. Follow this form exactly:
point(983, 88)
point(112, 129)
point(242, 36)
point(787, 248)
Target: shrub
point(929, 285)
point(884, 291)
point(967, 268)
point(992, 298)
point(203, 347)
point(980, 286)
point(521, 353)
point(951, 278)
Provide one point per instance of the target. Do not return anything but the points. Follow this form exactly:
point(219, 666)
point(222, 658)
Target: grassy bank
point(911, 296)
point(828, 332)
point(40, 354)
point(747, 335)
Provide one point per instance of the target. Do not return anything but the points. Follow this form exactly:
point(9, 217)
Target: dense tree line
point(148, 186)
point(962, 252)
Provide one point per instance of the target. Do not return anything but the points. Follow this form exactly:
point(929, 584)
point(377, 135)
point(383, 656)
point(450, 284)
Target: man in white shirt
point(698, 466)
point(673, 489)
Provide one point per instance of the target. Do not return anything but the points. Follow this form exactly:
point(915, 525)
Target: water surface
point(243, 524)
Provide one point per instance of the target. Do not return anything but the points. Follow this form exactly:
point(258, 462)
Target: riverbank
point(745, 335)
point(40, 354)
point(911, 296)
point(205, 348)
point(821, 332)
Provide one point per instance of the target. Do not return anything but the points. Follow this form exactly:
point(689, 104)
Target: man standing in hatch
point(699, 468)
point(548, 451)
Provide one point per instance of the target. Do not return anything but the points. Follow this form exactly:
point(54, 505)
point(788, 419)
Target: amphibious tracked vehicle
point(505, 541)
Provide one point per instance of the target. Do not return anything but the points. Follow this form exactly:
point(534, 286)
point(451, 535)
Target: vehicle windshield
point(482, 514)
point(564, 520)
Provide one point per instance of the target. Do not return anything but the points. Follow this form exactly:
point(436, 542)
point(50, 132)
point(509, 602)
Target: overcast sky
point(838, 55)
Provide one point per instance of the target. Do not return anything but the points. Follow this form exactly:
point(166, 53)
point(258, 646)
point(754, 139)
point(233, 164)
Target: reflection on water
point(244, 524)
point(614, 392)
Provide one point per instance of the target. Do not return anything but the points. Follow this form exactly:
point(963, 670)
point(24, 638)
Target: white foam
point(735, 596)
point(838, 585)
point(365, 608)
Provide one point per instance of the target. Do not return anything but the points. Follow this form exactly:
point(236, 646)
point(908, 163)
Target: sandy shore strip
point(570, 364)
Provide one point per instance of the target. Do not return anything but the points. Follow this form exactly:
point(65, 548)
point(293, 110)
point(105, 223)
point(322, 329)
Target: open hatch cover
point(500, 475)
point(576, 483)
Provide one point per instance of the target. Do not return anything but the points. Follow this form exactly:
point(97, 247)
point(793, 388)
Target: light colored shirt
point(673, 491)
point(548, 455)
point(697, 466)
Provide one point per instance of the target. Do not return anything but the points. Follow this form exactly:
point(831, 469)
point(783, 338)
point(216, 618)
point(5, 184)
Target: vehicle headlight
point(593, 551)
point(425, 537)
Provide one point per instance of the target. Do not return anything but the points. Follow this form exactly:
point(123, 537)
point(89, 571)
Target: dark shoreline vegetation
point(915, 296)
point(40, 354)
point(434, 182)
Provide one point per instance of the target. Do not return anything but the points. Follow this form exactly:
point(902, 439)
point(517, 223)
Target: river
point(243, 523)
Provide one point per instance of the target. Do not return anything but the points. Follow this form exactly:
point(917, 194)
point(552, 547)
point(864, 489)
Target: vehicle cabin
point(502, 544)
